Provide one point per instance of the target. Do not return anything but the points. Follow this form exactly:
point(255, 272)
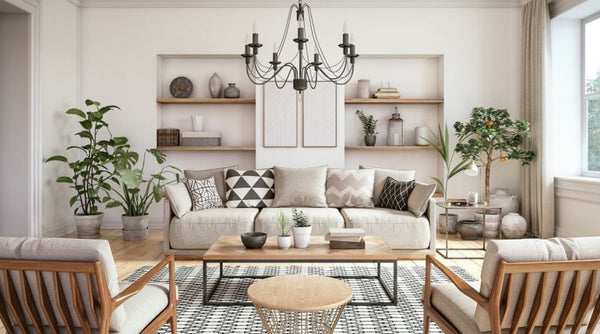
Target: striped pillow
point(349, 188)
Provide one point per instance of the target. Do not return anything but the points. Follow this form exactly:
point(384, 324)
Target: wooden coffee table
point(229, 249)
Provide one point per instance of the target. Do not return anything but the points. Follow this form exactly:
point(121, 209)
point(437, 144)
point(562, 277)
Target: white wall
point(14, 110)
point(59, 85)
point(119, 49)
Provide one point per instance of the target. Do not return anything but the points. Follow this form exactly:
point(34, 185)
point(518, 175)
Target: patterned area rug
point(406, 317)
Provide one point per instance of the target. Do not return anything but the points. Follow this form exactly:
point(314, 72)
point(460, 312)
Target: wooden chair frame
point(496, 304)
point(11, 306)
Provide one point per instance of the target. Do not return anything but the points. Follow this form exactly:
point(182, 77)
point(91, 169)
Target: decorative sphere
point(514, 226)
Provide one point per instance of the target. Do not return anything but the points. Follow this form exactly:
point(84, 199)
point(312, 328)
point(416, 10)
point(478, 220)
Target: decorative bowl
point(253, 240)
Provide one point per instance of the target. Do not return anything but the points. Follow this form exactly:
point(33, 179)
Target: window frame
point(585, 97)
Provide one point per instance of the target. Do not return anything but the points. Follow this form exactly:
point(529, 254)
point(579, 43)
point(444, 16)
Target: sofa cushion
point(349, 188)
point(179, 197)
point(59, 249)
point(204, 194)
point(529, 250)
point(249, 188)
point(301, 187)
point(395, 194)
point(399, 229)
point(200, 229)
point(419, 198)
point(381, 174)
point(321, 219)
point(217, 173)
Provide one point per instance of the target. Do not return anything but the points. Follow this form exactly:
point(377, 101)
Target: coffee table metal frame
point(207, 295)
point(444, 251)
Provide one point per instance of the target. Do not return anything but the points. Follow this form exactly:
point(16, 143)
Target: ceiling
point(313, 3)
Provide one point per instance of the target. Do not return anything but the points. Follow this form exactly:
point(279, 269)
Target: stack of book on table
point(386, 93)
point(346, 238)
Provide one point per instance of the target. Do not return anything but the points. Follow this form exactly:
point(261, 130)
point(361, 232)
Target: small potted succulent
point(301, 229)
point(284, 239)
point(369, 124)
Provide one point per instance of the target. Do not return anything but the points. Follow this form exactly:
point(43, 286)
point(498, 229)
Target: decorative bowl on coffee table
point(254, 240)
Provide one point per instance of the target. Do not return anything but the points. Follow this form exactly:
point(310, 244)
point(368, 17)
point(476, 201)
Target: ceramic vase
point(469, 229)
point(301, 236)
point(363, 89)
point(370, 140)
point(514, 226)
point(447, 223)
point(502, 198)
point(231, 92)
point(215, 85)
point(492, 222)
point(284, 242)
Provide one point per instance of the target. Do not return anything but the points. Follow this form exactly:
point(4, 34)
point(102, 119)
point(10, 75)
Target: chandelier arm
point(334, 76)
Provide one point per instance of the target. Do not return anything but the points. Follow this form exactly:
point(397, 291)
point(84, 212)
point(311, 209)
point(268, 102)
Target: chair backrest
point(551, 283)
point(56, 283)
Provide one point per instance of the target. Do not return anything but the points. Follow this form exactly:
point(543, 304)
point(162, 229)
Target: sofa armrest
point(432, 216)
point(167, 217)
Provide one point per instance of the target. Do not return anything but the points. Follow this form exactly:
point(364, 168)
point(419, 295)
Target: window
point(591, 92)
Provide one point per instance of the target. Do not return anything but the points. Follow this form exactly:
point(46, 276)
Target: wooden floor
point(130, 255)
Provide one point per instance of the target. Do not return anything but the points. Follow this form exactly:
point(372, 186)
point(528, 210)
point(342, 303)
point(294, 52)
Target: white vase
point(503, 199)
point(492, 223)
point(301, 236)
point(284, 242)
point(514, 226)
point(215, 86)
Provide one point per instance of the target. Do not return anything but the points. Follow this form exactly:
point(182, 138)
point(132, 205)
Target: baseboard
point(116, 224)
point(58, 232)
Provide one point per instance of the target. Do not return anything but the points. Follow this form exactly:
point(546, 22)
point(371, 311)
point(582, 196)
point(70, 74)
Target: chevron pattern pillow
point(349, 188)
point(395, 194)
point(204, 194)
point(249, 188)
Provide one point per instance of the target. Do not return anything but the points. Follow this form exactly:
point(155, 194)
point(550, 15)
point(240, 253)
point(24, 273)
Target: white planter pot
point(88, 226)
point(301, 236)
point(284, 242)
point(135, 227)
point(514, 226)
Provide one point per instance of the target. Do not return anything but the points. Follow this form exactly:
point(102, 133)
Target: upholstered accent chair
point(54, 285)
point(527, 286)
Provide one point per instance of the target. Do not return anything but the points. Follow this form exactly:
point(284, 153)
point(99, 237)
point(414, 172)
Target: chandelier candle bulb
point(345, 28)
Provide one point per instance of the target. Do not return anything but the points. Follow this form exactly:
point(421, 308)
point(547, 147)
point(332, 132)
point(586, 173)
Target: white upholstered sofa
point(192, 232)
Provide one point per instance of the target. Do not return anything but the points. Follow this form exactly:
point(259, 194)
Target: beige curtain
point(538, 184)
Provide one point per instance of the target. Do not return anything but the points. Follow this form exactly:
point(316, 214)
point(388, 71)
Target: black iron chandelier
point(307, 72)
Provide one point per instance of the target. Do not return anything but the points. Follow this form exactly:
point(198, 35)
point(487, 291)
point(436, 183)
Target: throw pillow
point(301, 187)
point(179, 198)
point(204, 194)
point(249, 188)
point(395, 194)
point(419, 198)
point(381, 174)
point(349, 188)
point(217, 173)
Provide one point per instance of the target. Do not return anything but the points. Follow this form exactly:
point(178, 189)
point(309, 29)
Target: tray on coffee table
point(228, 249)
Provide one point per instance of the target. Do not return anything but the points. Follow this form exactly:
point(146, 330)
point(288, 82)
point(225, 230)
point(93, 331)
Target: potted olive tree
point(91, 171)
point(284, 239)
point(135, 192)
point(369, 124)
point(301, 229)
point(491, 135)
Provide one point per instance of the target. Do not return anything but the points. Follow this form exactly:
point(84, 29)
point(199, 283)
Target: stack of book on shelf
point(346, 238)
point(386, 93)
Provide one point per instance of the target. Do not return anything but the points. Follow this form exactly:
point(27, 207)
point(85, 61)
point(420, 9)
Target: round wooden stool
point(300, 303)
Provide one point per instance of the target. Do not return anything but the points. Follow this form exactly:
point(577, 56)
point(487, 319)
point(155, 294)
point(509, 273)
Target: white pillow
point(301, 187)
point(179, 198)
point(419, 198)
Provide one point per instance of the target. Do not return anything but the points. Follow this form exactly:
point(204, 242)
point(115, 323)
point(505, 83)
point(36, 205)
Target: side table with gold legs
point(300, 303)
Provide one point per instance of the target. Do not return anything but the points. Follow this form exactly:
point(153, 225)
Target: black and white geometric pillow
point(204, 194)
point(249, 188)
point(395, 194)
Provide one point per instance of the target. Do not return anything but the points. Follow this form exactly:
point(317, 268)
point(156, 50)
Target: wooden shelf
point(390, 148)
point(394, 101)
point(205, 101)
point(206, 148)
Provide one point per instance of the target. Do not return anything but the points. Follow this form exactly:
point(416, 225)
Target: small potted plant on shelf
point(369, 125)
point(135, 192)
point(284, 239)
point(90, 172)
point(301, 229)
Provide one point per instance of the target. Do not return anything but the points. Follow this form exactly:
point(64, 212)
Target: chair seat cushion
point(399, 229)
point(321, 219)
point(200, 229)
point(142, 308)
point(455, 306)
